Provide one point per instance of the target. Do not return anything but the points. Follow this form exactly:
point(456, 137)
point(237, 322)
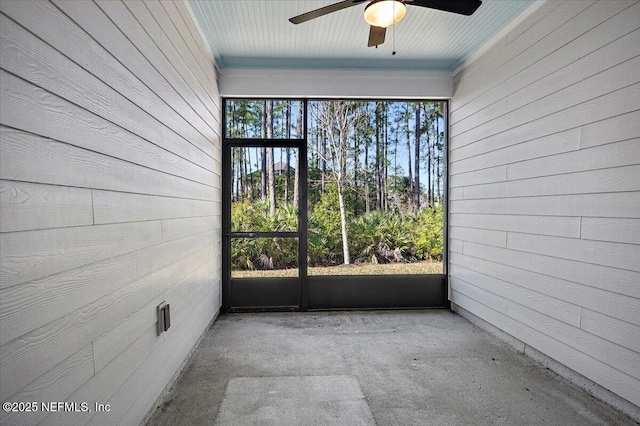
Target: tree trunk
point(252, 194)
point(356, 166)
point(271, 162)
point(296, 175)
point(288, 153)
point(233, 174)
point(323, 161)
point(367, 203)
point(241, 175)
point(263, 152)
point(385, 164)
point(343, 224)
point(378, 168)
point(416, 187)
point(340, 120)
point(438, 160)
point(430, 168)
point(408, 132)
point(395, 161)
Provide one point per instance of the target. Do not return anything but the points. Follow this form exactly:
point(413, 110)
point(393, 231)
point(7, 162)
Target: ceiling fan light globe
point(383, 13)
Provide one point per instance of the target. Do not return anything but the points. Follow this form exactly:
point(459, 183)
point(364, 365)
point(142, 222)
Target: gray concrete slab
point(411, 367)
point(294, 400)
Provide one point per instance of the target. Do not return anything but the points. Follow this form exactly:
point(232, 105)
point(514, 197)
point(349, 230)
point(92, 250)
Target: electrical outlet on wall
point(164, 317)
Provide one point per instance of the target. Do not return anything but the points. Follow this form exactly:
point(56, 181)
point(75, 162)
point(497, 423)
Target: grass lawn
point(424, 267)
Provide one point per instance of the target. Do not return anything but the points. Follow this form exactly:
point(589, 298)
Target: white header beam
point(336, 84)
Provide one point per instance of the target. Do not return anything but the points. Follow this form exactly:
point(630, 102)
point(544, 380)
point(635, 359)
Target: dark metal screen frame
point(251, 297)
point(344, 292)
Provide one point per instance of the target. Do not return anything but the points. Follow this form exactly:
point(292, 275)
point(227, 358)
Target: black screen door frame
point(265, 293)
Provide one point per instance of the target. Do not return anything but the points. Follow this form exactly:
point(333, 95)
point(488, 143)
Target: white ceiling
point(257, 34)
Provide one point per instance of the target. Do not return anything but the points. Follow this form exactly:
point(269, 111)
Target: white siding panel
point(619, 179)
point(607, 376)
point(494, 174)
point(30, 305)
point(31, 158)
point(600, 277)
point(571, 31)
point(621, 204)
point(63, 121)
point(584, 72)
point(618, 102)
point(522, 52)
point(173, 43)
point(102, 29)
point(546, 146)
point(103, 383)
point(456, 193)
point(548, 305)
point(173, 229)
point(615, 255)
point(60, 338)
point(110, 192)
point(456, 246)
point(482, 236)
point(585, 67)
point(610, 353)
point(194, 30)
point(543, 225)
point(611, 229)
point(475, 292)
point(111, 207)
point(31, 206)
point(556, 107)
point(31, 255)
point(136, 361)
point(601, 157)
point(157, 367)
point(614, 330)
point(56, 384)
point(618, 128)
point(57, 74)
point(615, 305)
point(175, 285)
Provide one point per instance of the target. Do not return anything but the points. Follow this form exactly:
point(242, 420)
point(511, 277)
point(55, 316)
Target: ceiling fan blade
point(463, 7)
point(324, 11)
point(376, 35)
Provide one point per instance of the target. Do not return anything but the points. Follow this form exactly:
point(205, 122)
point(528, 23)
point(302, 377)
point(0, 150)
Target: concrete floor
point(382, 368)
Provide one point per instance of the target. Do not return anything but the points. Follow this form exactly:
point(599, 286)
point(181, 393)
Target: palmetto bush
point(377, 236)
point(263, 253)
point(253, 216)
point(383, 236)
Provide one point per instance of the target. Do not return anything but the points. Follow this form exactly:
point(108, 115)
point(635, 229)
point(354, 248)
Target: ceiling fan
point(381, 14)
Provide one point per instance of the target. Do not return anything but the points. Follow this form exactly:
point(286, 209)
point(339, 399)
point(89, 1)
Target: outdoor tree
point(374, 185)
point(340, 120)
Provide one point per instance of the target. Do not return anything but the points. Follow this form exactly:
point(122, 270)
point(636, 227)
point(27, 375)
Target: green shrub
point(390, 236)
point(325, 230)
point(429, 238)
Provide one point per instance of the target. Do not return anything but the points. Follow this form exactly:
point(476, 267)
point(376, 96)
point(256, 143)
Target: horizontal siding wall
point(110, 190)
point(545, 188)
